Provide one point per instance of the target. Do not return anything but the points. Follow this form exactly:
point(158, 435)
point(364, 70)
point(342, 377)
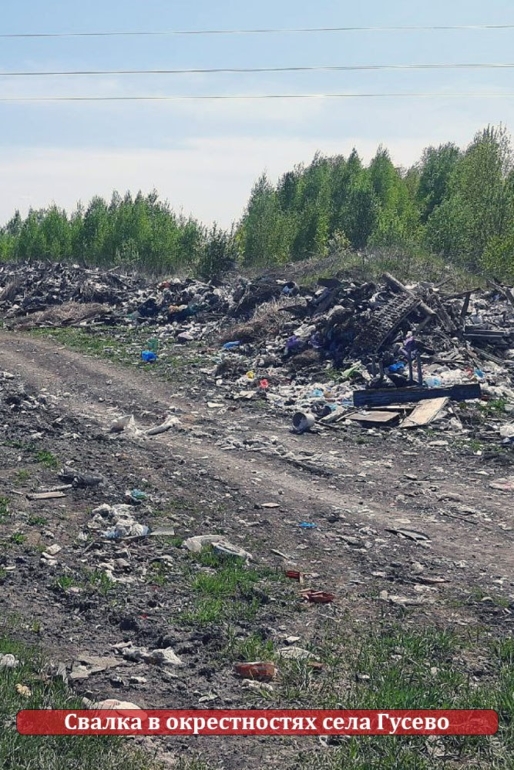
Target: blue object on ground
point(148, 356)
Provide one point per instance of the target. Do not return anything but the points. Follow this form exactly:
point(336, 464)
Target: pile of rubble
point(321, 349)
point(30, 289)
point(345, 345)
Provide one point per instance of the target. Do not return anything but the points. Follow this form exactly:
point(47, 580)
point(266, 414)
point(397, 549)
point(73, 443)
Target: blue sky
point(204, 156)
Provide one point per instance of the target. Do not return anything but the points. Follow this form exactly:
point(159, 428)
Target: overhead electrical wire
point(242, 97)
point(264, 31)
point(245, 70)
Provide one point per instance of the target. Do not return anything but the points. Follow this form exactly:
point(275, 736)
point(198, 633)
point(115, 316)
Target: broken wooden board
point(404, 395)
point(375, 418)
point(410, 534)
point(45, 495)
point(424, 413)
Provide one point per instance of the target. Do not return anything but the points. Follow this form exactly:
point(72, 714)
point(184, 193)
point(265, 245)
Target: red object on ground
point(318, 597)
point(262, 671)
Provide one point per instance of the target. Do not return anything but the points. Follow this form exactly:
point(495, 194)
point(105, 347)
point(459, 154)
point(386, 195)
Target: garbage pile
point(28, 289)
point(343, 322)
point(317, 350)
point(322, 352)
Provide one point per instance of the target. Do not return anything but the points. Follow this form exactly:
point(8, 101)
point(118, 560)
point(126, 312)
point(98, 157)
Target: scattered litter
point(80, 480)
point(53, 549)
point(118, 426)
point(261, 671)
point(250, 684)
point(123, 523)
point(303, 421)
point(410, 534)
point(136, 496)
point(112, 704)
point(222, 546)
point(318, 597)
point(170, 422)
point(295, 653)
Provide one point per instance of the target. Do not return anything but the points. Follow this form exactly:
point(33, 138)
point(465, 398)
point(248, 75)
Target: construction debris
point(317, 352)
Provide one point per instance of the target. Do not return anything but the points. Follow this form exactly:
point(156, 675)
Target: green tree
point(265, 233)
point(435, 171)
point(219, 254)
point(478, 207)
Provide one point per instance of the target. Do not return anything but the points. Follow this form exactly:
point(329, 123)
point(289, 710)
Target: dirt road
point(238, 470)
point(383, 484)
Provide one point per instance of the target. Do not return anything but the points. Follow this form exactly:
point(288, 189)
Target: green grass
point(157, 574)
point(254, 647)
point(391, 667)
point(229, 592)
point(124, 345)
point(42, 456)
point(100, 582)
point(18, 752)
point(37, 521)
point(64, 582)
point(494, 408)
point(478, 595)
point(47, 459)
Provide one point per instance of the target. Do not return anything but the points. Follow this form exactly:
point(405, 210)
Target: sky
point(203, 157)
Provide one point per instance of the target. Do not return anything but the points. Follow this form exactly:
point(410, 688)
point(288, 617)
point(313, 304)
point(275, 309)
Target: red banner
point(254, 722)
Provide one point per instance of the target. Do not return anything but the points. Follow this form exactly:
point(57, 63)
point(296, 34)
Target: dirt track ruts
point(485, 547)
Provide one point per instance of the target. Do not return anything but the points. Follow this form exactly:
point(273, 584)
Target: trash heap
point(346, 345)
point(317, 349)
point(33, 289)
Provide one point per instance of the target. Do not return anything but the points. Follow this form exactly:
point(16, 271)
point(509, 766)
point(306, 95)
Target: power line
point(265, 31)
point(242, 97)
point(242, 70)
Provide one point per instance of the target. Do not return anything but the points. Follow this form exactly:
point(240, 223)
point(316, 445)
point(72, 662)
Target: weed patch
point(19, 752)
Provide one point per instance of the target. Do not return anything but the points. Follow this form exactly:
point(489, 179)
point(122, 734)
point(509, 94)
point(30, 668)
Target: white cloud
point(210, 178)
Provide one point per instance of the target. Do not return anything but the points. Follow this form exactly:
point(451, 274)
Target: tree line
point(139, 233)
point(454, 203)
point(457, 204)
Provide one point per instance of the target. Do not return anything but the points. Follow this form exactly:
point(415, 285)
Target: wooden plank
point(424, 413)
point(465, 306)
point(375, 418)
point(405, 395)
point(46, 496)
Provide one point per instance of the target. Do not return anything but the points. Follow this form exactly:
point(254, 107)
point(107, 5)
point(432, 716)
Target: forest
point(454, 206)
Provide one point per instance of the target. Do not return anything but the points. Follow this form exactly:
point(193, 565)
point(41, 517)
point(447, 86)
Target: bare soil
point(355, 486)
